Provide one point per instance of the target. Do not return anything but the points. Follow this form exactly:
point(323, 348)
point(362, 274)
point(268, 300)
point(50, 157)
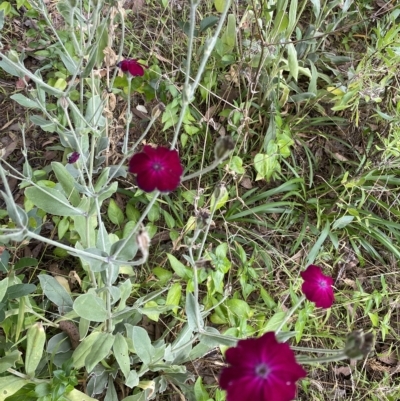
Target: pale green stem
point(316, 350)
point(193, 9)
point(128, 116)
point(49, 322)
point(10, 197)
point(189, 89)
point(50, 25)
point(91, 160)
point(20, 67)
point(195, 289)
point(211, 167)
point(26, 377)
point(71, 127)
point(290, 313)
point(132, 151)
point(317, 360)
point(136, 228)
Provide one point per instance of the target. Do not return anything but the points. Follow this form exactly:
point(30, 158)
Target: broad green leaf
point(223, 197)
point(193, 313)
point(151, 310)
point(94, 110)
point(91, 307)
point(229, 36)
point(3, 288)
point(26, 262)
point(220, 5)
point(275, 321)
point(142, 344)
point(178, 267)
point(209, 21)
point(84, 349)
point(44, 124)
point(266, 164)
point(55, 291)
point(293, 10)
point(99, 350)
point(200, 391)
point(51, 201)
point(174, 296)
point(24, 101)
point(121, 353)
point(9, 385)
point(293, 62)
point(35, 344)
point(19, 290)
point(162, 274)
point(76, 395)
point(67, 182)
point(128, 250)
point(342, 222)
point(114, 213)
point(62, 227)
point(239, 307)
point(236, 165)
point(9, 361)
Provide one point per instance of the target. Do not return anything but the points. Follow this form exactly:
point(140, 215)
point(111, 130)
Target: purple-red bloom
point(317, 287)
point(261, 369)
point(156, 168)
point(132, 66)
point(73, 157)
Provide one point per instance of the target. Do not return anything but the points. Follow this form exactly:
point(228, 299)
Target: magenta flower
point(261, 369)
point(132, 66)
point(156, 168)
point(73, 157)
point(317, 287)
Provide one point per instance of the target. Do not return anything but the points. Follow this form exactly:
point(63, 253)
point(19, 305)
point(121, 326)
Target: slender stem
point(20, 67)
point(193, 9)
point(132, 150)
point(330, 358)
point(128, 116)
point(189, 89)
point(135, 229)
point(205, 170)
point(317, 350)
point(290, 313)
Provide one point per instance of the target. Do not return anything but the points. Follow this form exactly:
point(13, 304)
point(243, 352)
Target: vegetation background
point(309, 92)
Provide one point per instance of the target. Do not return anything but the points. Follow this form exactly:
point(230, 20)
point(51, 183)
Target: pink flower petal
point(261, 369)
point(131, 66)
point(317, 287)
point(156, 168)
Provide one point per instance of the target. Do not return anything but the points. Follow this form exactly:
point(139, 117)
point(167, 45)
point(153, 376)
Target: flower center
point(322, 283)
point(262, 371)
point(157, 166)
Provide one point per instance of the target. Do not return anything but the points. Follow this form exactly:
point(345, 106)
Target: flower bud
point(63, 102)
point(202, 218)
point(358, 344)
point(157, 110)
point(73, 157)
point(223, 147)
point(143, 241)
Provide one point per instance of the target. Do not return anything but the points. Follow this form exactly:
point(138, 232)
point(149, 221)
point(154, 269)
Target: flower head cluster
point(317, 287)
point(156, 168)
point(132, 66)
point(261, 369)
